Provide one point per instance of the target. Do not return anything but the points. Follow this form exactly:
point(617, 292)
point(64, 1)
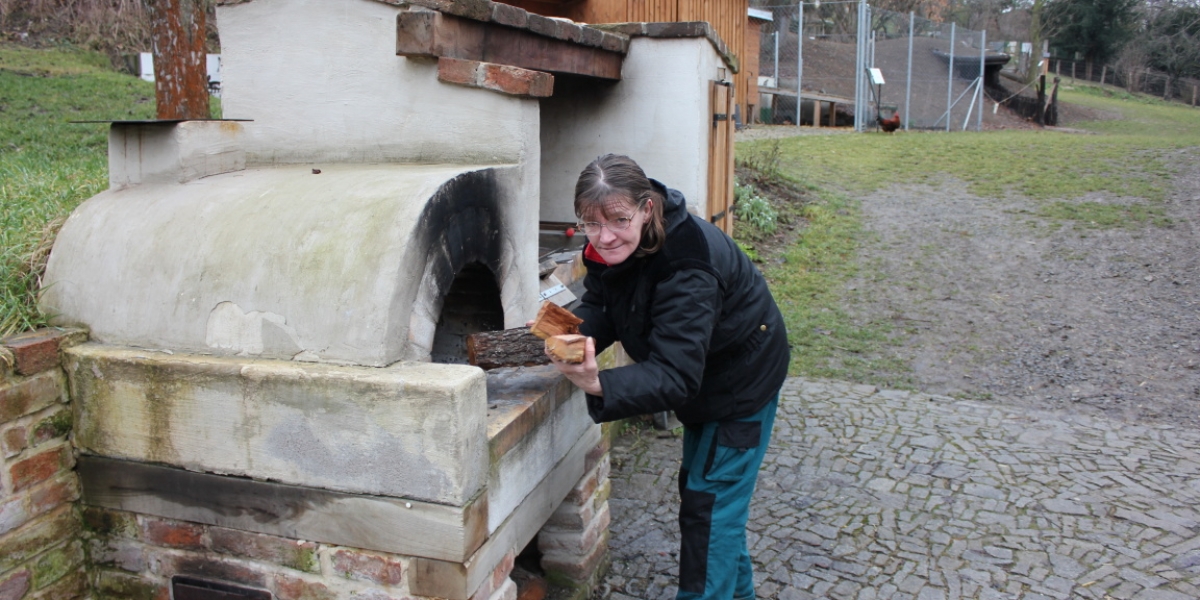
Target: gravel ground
point(993, 303)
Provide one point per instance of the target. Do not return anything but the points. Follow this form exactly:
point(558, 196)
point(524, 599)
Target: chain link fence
point(927, 75)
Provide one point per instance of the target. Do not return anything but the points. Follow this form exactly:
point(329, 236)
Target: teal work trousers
point(716, 482)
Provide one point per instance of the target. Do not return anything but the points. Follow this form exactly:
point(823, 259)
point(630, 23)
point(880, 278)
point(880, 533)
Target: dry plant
point(116, 27)
point(35, 264)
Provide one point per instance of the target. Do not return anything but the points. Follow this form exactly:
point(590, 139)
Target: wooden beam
point(394, 525)
point(434, 34)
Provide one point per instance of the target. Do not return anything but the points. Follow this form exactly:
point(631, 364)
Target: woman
point(709, 343)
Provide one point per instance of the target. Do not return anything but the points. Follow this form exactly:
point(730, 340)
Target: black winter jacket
point(697, 317)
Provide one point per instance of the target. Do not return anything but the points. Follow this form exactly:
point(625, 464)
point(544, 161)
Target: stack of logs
point(554, 331)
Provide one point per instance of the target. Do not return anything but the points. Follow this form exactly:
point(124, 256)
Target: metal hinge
point(552, 290)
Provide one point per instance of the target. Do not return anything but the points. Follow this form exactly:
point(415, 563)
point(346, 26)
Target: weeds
point(753, 209)
point(113, 27)
point(763, 158)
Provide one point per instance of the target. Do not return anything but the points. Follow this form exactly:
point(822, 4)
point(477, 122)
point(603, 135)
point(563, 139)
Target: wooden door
point(720, 156)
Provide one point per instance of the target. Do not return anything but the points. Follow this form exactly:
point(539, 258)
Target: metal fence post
point(982, 52)
point(799, 58)
point(908, 79)
point(950, 80)
point(860, 65)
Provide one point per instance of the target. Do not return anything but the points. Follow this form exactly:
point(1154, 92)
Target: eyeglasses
point(594, 228)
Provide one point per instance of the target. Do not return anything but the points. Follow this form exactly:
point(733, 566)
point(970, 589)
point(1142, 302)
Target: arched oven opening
point(471, 305)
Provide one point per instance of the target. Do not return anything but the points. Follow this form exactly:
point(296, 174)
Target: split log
point(567, 348)
point(515, 347)
point(552, 320)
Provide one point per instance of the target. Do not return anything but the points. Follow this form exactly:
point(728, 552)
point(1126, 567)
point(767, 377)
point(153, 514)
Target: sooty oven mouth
point(471, 305)
point(461, 232)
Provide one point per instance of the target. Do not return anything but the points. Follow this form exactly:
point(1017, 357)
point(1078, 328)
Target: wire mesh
point(931, 71)
point(823, 58)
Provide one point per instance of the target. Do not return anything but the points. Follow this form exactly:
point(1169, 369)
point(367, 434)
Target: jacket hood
point(675, 208)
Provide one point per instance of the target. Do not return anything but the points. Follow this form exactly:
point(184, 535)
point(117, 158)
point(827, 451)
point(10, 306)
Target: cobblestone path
point(870, 494)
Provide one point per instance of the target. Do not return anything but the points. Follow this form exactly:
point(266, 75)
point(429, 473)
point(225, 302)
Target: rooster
point(890, 124)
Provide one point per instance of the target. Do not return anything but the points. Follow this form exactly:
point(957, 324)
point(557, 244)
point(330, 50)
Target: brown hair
point(614, 176)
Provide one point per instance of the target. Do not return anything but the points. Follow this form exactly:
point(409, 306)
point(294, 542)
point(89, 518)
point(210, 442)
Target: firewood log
point(508, 348)
point(567, 348)
point(553, 319)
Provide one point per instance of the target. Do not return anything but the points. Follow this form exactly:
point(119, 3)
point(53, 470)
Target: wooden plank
point(720, 156)
point(806, 95)
point(436, 34)
point(378, 523)
point(458, 580)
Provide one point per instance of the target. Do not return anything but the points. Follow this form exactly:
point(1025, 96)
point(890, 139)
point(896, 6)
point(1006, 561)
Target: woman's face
point(604, 228)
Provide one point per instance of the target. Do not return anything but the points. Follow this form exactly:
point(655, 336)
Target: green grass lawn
point(49, 165)
point(1125, 159)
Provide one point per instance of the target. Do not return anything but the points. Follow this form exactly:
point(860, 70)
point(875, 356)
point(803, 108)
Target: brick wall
point(134, 557)
point(54, 549)
point(41, 555)
point(574, 541)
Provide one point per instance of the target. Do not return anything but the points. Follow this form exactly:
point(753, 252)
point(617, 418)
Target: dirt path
point(990, 301)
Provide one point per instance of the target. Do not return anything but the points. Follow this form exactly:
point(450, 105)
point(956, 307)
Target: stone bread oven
point(277, 304)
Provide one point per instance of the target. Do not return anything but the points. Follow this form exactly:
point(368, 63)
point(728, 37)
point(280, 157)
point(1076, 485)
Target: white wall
point(322, 82)
point(658, 114)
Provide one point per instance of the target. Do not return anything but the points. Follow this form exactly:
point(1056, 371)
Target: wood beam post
point(430, 34)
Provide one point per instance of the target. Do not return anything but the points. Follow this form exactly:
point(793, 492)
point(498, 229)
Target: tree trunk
point(178, 29)
point(508, 348)
point(1035, 42)
point(1041, 100)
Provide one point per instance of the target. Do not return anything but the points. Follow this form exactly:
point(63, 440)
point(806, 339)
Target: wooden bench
point(817, 100)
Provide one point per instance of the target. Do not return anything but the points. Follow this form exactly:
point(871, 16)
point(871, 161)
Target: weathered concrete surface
point(286, 263)
point(172, 152)
point(882, 494)
point(659, 115)
point(339, 93)
point(414, 430)
point(515, 474)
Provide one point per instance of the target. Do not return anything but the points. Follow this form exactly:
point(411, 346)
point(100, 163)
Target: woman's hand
point(585, 375)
